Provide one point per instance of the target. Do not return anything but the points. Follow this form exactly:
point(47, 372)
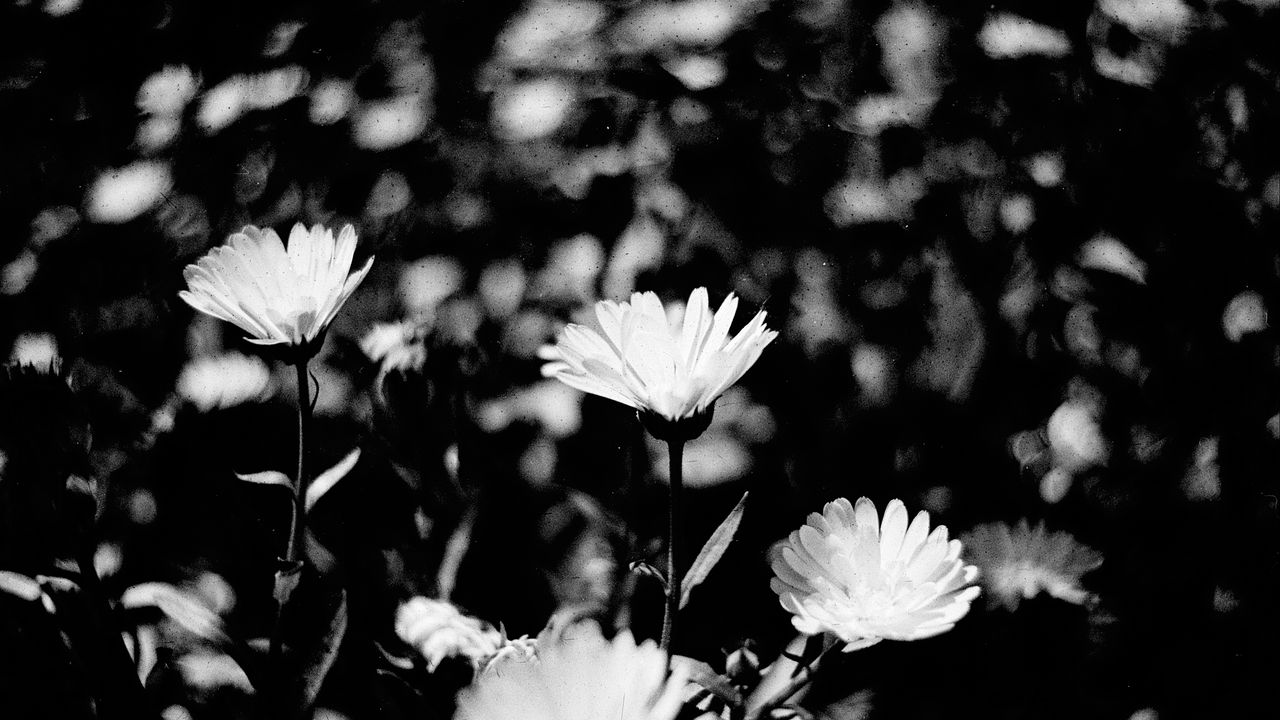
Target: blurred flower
point(1010, 36)
point(168, 91)
point(277, 296)
point(223, 104)
point(645, 361)
point(1106, 253)
point(1244, 315)
point(553, 34)
point(38, 349)
point(704, 23)
point(439, 630)
point(18, 273)
point(578, 675)
point(846, 573)
point(120, 195)
point(394, 346)
point(697, 72)
point(331, 100)
point(555, 408)
point(1166, 20)
point(390, 122)
point(1075, 437)
point(1020, 562)
point(426, 282)
point(532, 109)
point(501, 287)
point(1202, 481)
point(224, 381)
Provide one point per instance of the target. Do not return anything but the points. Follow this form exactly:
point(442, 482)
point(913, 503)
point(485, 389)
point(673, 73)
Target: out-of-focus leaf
point(713, 550)
point(268, 477)
point(314, 659)
point(702, 674)
point(181, 607)
point(20, 586)
point(454, 551)
point(327, 479)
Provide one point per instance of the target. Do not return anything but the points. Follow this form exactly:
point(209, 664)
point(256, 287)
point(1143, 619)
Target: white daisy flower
point(643, 359)
point(278, 297)
point(847, 573)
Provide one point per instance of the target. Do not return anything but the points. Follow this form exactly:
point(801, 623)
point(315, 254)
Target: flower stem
point(675, 541)
point(803, 675)
point(297, 520)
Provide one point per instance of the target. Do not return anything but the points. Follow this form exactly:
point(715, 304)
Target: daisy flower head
point(1019, 562)
point(279, 296)
point(578, 675)
point(671, 370)
point(848, 573)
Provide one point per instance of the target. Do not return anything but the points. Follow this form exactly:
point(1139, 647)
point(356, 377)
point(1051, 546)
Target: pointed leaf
point(327, 479)
point(181, 607)
point(717, 684)
point(713, 550)
point(268, 477)
point(644, 569)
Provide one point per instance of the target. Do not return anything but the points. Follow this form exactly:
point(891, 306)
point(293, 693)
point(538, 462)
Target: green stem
point(675, 541)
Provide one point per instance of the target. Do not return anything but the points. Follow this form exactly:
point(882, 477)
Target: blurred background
point(1021, 256)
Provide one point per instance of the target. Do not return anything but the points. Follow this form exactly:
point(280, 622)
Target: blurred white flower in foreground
point(1020, 562)
point(846, 573)
point(122, 194)
point(277, 296)
point(578, 676)
point(439, 630)
point(1009, 36)
point(224, 381)
point(644, 360)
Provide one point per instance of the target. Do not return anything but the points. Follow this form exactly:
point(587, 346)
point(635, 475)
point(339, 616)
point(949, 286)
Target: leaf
point(179, 606)
point(20, 586)
point(327, 479)
point(268, 477)
point(713, 550)
point(316, 660)
point(454, 551)
point(717, 684)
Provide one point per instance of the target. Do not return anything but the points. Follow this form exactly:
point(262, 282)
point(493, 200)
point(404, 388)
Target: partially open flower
point(846, 573)
point(673, 371)
point(578, 674)
point(1021, 561)
point(439, 630)
point(278, 297)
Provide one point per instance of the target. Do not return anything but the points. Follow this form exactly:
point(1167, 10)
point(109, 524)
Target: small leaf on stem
point(713, 550)
point(268, 477)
